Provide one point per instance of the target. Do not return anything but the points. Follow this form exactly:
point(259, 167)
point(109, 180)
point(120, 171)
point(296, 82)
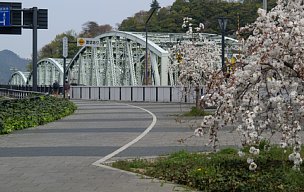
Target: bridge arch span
point(119, 61)
point(19, 78)
point(48, 70)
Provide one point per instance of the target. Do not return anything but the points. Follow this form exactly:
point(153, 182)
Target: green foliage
point(170, 19)
point(154, 4)
point(54, 48)
point(91, 29)
point(226, 171)
point(228, 151)
point(30, 112)
point(196, 112)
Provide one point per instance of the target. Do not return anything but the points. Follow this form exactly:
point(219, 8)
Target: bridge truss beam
point(119, 61)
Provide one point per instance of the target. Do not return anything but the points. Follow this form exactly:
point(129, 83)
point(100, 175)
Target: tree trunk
point(197, 98)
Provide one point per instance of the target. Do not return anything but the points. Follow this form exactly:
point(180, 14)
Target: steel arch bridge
point(48, 71)
point(118, 61)
point(19, 78)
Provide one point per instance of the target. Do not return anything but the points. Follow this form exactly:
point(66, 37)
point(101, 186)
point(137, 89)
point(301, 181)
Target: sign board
point(5, 16)
point(10, 18)
point(42, 18)
point(65, 47)
point(88, 42)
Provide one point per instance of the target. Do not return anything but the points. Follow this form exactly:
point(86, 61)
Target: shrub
point(29, 112)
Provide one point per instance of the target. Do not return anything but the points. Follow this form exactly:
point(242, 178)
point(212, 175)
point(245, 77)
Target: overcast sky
point(65, 15)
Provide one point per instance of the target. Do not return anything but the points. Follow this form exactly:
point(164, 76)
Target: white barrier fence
point(138, 93)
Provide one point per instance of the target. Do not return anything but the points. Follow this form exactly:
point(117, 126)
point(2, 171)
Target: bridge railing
point(41, 89)
point(133, 93)
point(108, 93)
point(13, 93)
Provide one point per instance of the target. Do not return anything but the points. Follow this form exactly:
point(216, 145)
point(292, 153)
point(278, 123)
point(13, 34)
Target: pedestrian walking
point(56, 88)
point(67, 87)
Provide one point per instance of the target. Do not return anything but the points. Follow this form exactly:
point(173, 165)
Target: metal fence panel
point(164, 94)
point(126, 93)
point(137, 93)
point(115, 93)
point(85, 94)
point(177, 94)
point(94, 93)
point(75, 93)
point(191, 96)
point(150, 94)
point(104, 93)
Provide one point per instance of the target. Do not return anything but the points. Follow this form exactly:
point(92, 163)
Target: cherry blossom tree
point(196, 60)
point(264, 95)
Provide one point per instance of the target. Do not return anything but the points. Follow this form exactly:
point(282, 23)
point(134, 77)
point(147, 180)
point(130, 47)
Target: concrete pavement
point(59, 156)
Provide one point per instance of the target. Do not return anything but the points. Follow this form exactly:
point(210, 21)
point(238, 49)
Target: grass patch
point(196, 112)
point(222, 171)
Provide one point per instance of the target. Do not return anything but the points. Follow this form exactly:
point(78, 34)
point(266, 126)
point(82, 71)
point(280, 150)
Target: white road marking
point(100, 161)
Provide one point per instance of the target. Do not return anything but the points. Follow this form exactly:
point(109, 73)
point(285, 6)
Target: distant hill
point(10, 60)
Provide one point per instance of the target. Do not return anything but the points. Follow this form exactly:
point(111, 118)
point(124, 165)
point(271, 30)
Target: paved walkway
point(59, 156)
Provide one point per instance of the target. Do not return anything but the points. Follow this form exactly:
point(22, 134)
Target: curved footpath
point(67, 155)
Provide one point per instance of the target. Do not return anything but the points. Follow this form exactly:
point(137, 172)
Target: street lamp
point(223, 23)
point(265, 5)
point(154, 7)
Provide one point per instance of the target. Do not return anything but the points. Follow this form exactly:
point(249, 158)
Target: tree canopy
point(169, 19)
point(154, 4)
point(53, 49)
point(91, 29)
point(264, 95)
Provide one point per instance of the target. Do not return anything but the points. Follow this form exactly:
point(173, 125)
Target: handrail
point(12, 93)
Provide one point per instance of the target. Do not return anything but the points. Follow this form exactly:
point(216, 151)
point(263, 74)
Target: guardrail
point(42, 89)
point(13, 93)
point(123, 93)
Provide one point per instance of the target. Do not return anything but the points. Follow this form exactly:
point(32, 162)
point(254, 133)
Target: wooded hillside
point(170, 19)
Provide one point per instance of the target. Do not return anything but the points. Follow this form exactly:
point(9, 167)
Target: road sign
point(88, 42)
point(65, 47)
point(5, 16)
point(42, 18)
point(12, 19)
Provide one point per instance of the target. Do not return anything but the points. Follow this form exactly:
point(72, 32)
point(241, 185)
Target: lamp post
point(65, 49)
point(265, 5)
point(154, 7)
point(223, 23)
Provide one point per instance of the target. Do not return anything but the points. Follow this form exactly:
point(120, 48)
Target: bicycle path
point(66, 155)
